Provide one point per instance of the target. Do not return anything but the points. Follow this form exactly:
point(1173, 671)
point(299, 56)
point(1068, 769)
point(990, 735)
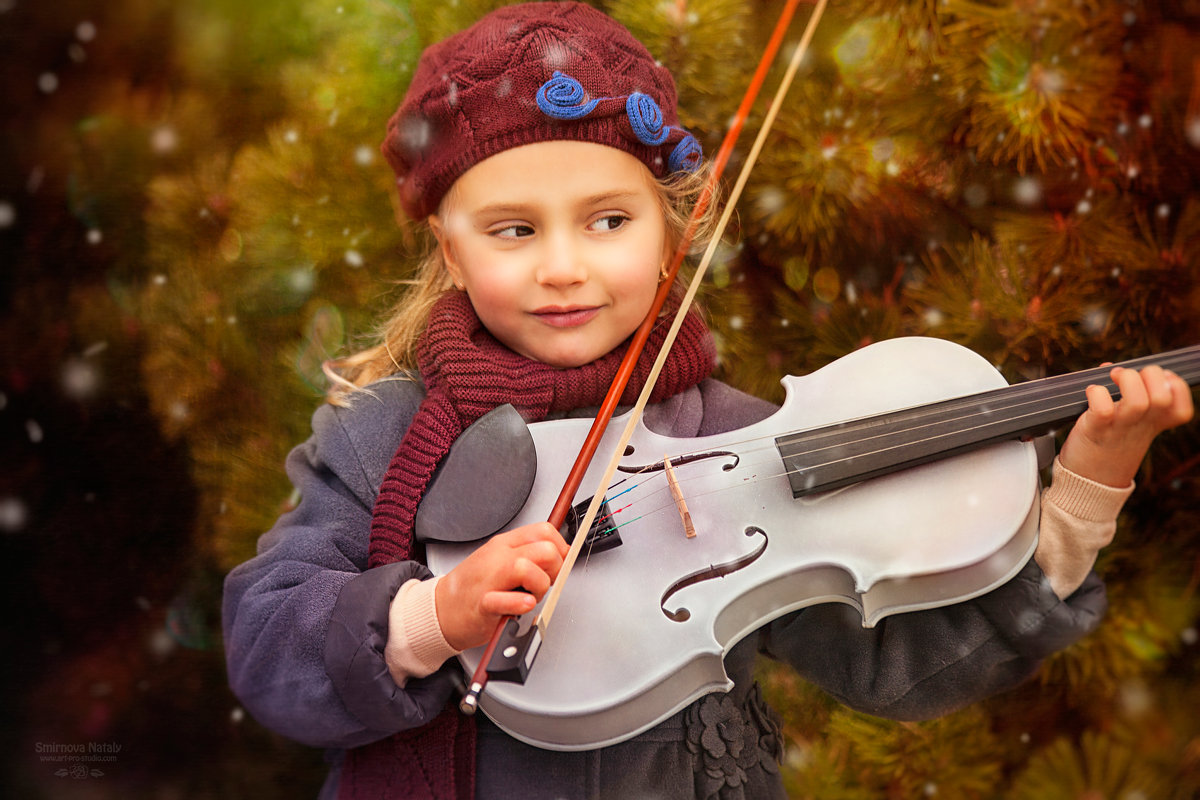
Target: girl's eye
point(513, 231)
point(609, 222)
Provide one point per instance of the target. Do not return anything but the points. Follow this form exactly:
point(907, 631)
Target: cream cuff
point(415, 645)
point(1079, 518)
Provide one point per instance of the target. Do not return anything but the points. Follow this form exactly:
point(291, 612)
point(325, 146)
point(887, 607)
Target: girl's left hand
point(1111, 438)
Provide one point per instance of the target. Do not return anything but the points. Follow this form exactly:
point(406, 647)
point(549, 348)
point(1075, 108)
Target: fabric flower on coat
point(729, 739)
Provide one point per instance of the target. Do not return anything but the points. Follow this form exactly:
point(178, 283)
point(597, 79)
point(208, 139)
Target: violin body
point(641, 629)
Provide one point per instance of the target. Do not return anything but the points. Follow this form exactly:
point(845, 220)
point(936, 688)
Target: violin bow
point(563, 505)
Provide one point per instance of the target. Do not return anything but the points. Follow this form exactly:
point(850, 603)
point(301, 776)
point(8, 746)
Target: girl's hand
point(506, 576)
point(1110, 439)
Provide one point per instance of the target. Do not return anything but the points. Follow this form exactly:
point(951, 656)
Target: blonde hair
point(397, 337)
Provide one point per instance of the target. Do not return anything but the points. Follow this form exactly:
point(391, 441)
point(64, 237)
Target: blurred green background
point(194, 215)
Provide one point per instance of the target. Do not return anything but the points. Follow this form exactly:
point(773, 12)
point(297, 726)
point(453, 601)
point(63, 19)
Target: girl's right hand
point(507, 576)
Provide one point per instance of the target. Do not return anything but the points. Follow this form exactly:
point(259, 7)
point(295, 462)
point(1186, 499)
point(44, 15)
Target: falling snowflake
point(1135, 698)
point(976, 195)
point(1192, 131)
point(14, 514)
point(164, 139)
point(416, 134)
point(179, 411)
point(770, 201)
point(8, 214)
point(1095, 320)
point(160, 643)
point(557, 56)
point(80, 378)
point(1027, 191)
point(302, 280)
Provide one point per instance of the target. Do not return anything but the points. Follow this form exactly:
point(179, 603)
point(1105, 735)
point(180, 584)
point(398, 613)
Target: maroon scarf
point(467, 373)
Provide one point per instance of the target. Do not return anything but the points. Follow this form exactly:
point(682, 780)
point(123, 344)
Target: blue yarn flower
point(646, 118)
point(686, 156)
point(562, 96)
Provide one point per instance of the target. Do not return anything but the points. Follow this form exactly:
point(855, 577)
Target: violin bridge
point(688, 528)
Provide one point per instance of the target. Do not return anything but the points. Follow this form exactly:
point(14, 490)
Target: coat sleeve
point(922, 664)
point(305, 623)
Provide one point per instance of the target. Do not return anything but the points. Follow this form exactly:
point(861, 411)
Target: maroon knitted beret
point(531, 73)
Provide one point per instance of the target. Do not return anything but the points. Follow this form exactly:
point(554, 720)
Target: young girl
point(543, 148)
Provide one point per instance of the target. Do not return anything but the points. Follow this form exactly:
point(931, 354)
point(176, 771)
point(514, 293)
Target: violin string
point(968, 407)
point(1061, 395)
point(1187, 365)
point(1061, 401)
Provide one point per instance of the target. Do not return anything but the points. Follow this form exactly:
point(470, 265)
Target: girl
point(543, 148)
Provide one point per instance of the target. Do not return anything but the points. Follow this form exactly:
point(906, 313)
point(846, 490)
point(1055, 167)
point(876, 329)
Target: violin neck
point(848, 452)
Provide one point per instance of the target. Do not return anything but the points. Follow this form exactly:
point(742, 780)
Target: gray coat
point(305, 626)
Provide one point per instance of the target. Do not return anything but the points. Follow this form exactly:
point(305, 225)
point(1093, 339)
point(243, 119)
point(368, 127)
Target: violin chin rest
point(482, 482)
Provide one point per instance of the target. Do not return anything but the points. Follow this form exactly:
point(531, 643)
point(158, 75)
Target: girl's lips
point(566, 317)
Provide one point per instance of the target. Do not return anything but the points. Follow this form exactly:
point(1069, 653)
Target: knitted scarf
point(467, 373)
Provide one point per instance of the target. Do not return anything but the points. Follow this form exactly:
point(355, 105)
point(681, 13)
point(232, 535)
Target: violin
point(899, 477)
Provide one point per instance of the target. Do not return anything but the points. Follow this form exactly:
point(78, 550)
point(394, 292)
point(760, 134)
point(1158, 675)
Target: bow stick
point(558, 514)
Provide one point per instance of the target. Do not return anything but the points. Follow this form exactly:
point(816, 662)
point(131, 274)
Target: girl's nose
point(562, 263)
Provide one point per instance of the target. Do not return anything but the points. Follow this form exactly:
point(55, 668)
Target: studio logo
point(78, 760)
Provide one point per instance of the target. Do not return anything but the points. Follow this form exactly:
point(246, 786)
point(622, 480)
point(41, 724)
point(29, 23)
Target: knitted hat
point(530, 73)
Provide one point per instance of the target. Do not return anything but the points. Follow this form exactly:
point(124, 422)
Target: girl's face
point(559, 245)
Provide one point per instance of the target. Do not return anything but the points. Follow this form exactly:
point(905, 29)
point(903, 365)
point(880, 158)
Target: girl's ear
point(668, 254)
point(443, 240)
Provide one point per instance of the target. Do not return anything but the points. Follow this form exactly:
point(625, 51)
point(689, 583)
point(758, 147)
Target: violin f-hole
point(679, 461)
point(713, 571)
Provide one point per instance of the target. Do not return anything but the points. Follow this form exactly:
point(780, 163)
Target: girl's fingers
point(1182, 408)
point(1158, 388)
point(530, 577)
point(535, 532)
point(1100, 403)
point(504, 604)
point(1134, 398)
point(529, 583)
point(1157, 397)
